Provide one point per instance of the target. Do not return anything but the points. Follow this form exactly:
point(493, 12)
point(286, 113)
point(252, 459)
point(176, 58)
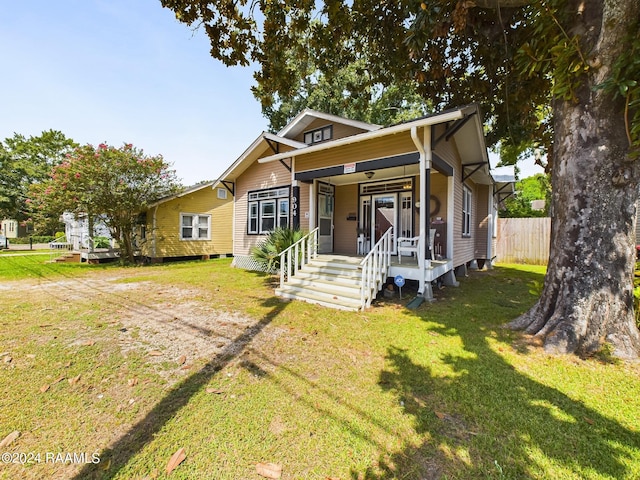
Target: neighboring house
point(76, 230)
point(13, 229)
point(194, 223)
point(353, 181)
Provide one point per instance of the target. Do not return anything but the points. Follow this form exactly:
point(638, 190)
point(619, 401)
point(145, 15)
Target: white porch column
point(424, 148)
point(490, 220)
point(312, 205)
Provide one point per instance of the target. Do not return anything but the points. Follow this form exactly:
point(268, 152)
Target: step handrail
point(60, 243)
point(375, 268)
point(298, 255)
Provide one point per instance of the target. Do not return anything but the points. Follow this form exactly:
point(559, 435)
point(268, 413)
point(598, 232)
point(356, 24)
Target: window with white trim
point(195, 227)
point(318, 135)
point(466, 211)
point(222, 193)
point(268, 209)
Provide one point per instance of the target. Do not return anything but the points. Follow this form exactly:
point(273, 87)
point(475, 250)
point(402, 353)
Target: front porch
point(407, 266)
point(352, 282)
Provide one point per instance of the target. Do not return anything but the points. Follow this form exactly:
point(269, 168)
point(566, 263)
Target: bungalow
point(11, 228)
point(414, 200)
point(193, 223)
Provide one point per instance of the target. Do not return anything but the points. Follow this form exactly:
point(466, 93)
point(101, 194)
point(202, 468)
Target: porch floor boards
point(407, 268)
point(410, 262)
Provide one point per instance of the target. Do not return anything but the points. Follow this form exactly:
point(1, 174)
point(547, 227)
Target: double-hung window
point(466, 211)
point(195, 227)
point(268, 209)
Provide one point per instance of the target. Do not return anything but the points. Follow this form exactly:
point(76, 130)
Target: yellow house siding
point(258, 176)
point(166, 235)
point(376, 148)
point(439, 190)
point(305, 206)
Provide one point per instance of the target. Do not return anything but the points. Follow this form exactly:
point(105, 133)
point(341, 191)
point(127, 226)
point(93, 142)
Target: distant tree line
point(537, 187)
point(49, 174)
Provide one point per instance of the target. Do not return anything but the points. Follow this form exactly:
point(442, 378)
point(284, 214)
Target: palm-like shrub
point(267, 252)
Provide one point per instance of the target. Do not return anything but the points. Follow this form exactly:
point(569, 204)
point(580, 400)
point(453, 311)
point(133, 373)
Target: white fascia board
point(284, 141)
point(240, 159)
point(184, 192)
point(404, 127)
point(307, 112)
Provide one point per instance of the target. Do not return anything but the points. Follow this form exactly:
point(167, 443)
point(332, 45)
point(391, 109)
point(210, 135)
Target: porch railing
point(298, 255)
point(61, 243)
point(375, 268)
point(59, 247)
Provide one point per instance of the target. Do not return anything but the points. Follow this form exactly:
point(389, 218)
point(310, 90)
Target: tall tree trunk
point(588, 293)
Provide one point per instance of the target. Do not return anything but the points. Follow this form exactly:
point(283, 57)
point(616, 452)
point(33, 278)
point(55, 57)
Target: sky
point(125, 71)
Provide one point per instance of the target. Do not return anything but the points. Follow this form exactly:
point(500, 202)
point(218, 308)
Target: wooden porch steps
point(71, 257)
point(326, 281)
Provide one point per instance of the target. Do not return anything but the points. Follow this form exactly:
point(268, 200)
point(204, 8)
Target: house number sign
point(295, 203)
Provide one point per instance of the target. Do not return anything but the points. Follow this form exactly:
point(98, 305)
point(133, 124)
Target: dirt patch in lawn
point(102, 356)
point(171, 323)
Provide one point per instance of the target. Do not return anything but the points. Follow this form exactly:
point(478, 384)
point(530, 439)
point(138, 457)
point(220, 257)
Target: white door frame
point(326, 194)
point(393, 221)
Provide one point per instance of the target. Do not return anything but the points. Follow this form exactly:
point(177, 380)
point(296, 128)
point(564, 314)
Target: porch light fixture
point(370, 174)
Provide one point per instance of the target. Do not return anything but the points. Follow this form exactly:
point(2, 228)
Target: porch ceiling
point(399, 165)
point(381, 174)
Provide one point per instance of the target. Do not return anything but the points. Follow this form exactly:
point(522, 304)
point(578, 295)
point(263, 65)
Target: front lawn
point(132, 364)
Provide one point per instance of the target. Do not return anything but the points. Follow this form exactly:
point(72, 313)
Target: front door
point(325, 217)
point(385, 215)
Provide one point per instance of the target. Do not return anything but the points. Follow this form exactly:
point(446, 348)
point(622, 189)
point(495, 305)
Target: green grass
point(28, 265)
point(441, 392)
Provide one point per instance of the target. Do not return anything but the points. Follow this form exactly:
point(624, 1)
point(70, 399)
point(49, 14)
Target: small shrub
point(33, 238)
point(267, 252)
point(101, 242)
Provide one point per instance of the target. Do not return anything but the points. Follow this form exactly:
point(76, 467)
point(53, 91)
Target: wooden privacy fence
point(523, 240)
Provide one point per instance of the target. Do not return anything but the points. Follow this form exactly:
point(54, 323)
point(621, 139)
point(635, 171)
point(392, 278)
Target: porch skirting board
point(411, 272)
point(247, 262)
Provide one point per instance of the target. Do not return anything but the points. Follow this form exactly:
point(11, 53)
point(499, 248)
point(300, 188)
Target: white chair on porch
point(409, 245)
point(362, 245)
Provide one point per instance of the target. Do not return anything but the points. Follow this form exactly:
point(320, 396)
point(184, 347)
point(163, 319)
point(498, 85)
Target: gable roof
point(257, 148)
point(300, 123)
point(182, 193)
point(464, 122)
point(284, 137)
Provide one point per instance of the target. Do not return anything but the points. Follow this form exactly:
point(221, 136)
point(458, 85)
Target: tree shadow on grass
point(481, 418)
point(142, 433)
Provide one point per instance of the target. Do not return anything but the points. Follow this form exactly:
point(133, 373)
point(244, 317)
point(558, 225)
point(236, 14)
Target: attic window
point(318, 135)
point(222, 194)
